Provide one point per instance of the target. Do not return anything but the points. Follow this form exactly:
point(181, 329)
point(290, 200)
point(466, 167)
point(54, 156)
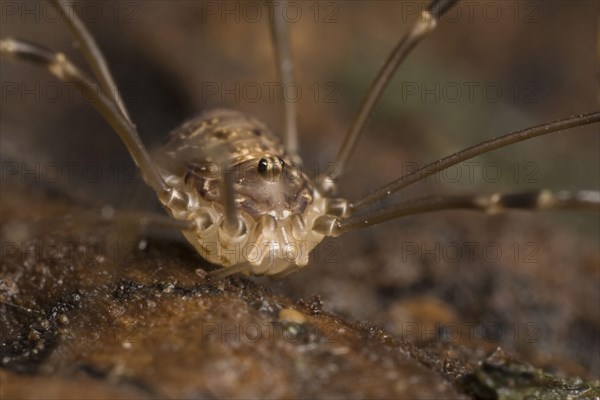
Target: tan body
point(276, 202)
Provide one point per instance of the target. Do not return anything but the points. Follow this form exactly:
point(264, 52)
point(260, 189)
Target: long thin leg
point(92, 54)
point(223, 273)
point(473, 151)
point(60, 66)
point(285, 273)
point(491, 204)
point(139, 220)
point(420, 29)
point(232, 221)
point(280, 33)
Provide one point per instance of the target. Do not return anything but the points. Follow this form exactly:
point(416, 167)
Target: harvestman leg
point(545, 199)
point(97, 62)
point(491, 204)
point(281, 43)
point(115, 113)
point(92, 54)
point(233, 224)
point(223, 273)
point(420, 29)
point(280, 34)
point(285, 273)
point(139, 220)
point(136, 219)
point(60, 66)
point(473, 151)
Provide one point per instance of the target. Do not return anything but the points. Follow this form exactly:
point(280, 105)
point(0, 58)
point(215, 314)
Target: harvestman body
point(275, 200)
point(238, 193)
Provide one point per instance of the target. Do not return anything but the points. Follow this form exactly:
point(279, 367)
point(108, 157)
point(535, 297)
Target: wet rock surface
point(80, 321)
point(151, 325)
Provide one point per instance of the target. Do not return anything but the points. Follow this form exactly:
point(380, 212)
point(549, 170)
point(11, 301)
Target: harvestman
point(238, 193)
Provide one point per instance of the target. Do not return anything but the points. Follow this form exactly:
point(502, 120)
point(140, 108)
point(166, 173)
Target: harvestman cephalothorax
point(238, 193)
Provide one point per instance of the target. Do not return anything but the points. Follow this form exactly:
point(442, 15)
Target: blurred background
point(490, 68)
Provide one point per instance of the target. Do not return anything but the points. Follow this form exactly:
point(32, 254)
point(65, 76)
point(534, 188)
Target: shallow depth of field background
point(170, 57)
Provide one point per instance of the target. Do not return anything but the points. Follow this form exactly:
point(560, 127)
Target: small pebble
point(33, 335)
point(292, 316)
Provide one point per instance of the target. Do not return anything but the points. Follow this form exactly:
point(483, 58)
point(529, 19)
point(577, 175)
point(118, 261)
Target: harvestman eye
point(297, 215)
point(270, 168)
point(263, 167)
